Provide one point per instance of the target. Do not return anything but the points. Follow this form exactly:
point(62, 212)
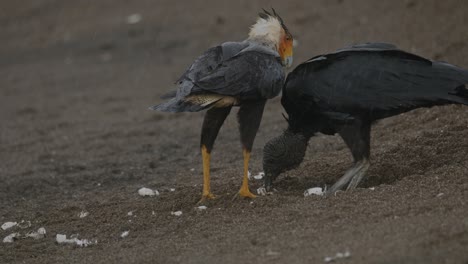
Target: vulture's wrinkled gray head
point(283, 153)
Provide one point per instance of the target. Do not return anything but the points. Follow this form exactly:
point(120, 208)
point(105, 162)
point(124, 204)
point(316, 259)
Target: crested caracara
point(243, 74)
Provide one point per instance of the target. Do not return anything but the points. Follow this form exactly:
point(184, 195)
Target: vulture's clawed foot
point(351, 178)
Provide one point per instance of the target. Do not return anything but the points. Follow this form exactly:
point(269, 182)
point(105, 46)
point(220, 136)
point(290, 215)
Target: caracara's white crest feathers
point(269, 29)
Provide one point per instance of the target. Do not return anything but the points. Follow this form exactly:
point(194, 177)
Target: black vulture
point(346, 91)
point(243, 74)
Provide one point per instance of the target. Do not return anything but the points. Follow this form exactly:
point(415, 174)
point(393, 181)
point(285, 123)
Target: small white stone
point(176, 213)
point(172, 189)
point(124, 234)
point(153, 213)
point(130, 213)
point(134, 18)
point(83, 214)
point(10, 238)
point(440, 194)
point(192, 169)
point(328, 259)
point(313, 191)
point(147, 192)
point(8, 225)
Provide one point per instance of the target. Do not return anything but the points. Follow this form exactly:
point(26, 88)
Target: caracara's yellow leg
point(244, 191)
point(206, 175)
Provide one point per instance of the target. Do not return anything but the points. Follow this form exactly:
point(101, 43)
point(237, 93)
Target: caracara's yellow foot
point(205, 197)
point(246, 193)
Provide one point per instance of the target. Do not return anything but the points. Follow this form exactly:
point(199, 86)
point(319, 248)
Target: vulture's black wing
point(377, 80)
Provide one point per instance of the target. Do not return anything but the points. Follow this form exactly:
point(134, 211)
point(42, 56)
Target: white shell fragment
point(259, 176)
point(10, 238)
point(40, 233)
point(147, 192)
point(201, 208)
point(124, 234)
point(62, 239)
point(24, 224)
point(176, 213)
point(83, 214)
point(338, 255)
point(313, 191)
point(8, 225)
point(134, 18)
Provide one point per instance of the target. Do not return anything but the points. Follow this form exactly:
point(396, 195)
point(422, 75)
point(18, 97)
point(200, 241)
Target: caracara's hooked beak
point(286, 50)
point(288, 61)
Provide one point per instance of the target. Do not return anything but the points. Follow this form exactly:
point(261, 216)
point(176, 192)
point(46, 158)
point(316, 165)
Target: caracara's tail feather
point(176, 106)
point(195, 103)
point(169, 95)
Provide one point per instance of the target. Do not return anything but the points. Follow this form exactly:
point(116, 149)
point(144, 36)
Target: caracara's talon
point(206, 197)
point(247, 194)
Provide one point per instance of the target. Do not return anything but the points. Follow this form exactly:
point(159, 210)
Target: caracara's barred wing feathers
point(236, 69)
point(251, 74)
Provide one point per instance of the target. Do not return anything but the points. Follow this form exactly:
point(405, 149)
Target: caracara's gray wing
point(249, 74)
point(235, 69)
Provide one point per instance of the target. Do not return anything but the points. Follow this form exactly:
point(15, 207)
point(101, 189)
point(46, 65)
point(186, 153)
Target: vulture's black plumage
point(346, 91)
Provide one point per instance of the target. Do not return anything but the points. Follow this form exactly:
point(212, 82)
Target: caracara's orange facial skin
point(286, 49)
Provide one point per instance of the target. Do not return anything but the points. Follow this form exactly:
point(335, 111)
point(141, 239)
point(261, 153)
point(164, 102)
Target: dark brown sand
point(76, 135)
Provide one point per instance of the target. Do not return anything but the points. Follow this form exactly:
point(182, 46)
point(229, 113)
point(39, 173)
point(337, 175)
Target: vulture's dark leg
point(249, 117)
point(357, 138)
point(214, 119)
